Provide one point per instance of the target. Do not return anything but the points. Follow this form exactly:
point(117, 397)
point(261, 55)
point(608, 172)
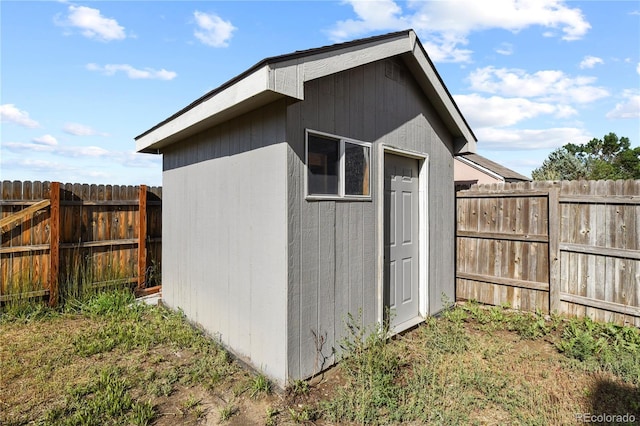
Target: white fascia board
point(288, 77)
point(480, 168)
point(355, 56)
point(243, 90)
point(443, 95)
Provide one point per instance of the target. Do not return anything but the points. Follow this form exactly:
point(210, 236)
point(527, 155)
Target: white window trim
point(341, 173)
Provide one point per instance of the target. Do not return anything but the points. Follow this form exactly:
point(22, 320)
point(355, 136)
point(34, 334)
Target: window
point(337, 167)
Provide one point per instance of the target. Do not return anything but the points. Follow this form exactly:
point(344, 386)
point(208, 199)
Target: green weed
point(603, 346)
point(142, 413)
point(445, 336)
point(104, 400)
point(300, 387)
point(371, 368)
point(227, 412)
point(528, 326)
point(271, 416)
point(190, 402)
point(260, 385)
point(303, 414)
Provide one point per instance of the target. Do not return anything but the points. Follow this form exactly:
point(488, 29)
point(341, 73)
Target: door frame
point(423, 232)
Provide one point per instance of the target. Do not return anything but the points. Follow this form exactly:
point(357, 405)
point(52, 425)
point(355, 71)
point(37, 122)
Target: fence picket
point(94, 224)
point(582, 257)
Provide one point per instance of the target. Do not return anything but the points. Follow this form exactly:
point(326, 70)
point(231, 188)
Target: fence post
point(554, 250)
point(54, 241)
point(142, 237)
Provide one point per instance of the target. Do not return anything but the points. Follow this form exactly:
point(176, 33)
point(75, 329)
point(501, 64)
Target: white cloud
point(22, 146)
point(92, 24)
point(77, 129)
point(40, 165)
point(213, 30)
point(590, 62)
point(529, 139)
point(638, 68)
point(630, 108)
point(87, 151)
point(446, 24)
point(133, 73)
point(497, 111)
point(48, 144)
point(505, 49)
point(446, 48)
point(79, 164)
point(548, 85)
point(373, 15)
point(10, 114)
point(46, 140)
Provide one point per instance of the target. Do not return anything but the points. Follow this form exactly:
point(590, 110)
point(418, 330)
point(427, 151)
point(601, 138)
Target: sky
point(80, 80)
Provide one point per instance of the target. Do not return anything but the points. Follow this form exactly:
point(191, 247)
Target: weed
point(106, 400)
point(605, 346)
point(300, 387)
point(260, 385)
point(142, 413)
point(87, 273)
point(271, 415)
point(445, 336)
point(455, 315)
point(227, 412)
point(159, 388)
point(303, 415)
point(529, 326)
point(190, 402)
point(25, 311)
point(153, 274)
point(198, 412)
point(371, 368)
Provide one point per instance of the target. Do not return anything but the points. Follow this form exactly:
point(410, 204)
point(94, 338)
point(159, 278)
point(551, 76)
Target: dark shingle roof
point(301, 54)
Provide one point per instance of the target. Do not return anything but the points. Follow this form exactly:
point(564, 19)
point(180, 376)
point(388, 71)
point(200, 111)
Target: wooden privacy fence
point(60, 237)
point(571, 247)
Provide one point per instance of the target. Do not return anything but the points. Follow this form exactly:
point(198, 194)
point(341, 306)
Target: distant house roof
point(284, 76)
point(480, 162)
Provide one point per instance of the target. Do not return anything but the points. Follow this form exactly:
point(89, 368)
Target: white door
point(401, 252)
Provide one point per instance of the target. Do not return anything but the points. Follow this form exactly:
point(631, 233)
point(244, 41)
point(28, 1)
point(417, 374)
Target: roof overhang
point(284, 76)
point(480, 168)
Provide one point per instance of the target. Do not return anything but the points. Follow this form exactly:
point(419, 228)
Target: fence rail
point(572, 247)
point(56, 235)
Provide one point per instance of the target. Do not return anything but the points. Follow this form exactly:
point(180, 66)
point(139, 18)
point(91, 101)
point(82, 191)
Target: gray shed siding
point(332, 244)
point(225, 234)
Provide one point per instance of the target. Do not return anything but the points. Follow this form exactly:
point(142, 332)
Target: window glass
point(356, 169)
point(323, 165)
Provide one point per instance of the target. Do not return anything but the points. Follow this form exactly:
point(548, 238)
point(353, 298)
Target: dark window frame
point(342, 143)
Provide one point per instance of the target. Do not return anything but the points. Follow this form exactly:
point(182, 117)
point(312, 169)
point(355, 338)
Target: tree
point(606, 158)
point(560, 165)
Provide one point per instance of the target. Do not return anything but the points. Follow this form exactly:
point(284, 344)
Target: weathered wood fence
point(571, 247)
point(56, 235)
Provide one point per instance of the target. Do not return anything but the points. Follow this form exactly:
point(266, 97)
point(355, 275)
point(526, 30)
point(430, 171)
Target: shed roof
point(284, 76)
point(507, 174)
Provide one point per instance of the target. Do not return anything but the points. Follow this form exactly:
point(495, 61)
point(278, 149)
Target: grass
point(107, 360)
point(260, 385)
point(487, 365)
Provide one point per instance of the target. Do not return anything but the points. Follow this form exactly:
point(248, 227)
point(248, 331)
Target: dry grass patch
point(109, 361)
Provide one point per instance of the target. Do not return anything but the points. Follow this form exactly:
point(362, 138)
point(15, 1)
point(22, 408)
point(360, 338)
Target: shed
point(471, 168)
point(314, 185)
